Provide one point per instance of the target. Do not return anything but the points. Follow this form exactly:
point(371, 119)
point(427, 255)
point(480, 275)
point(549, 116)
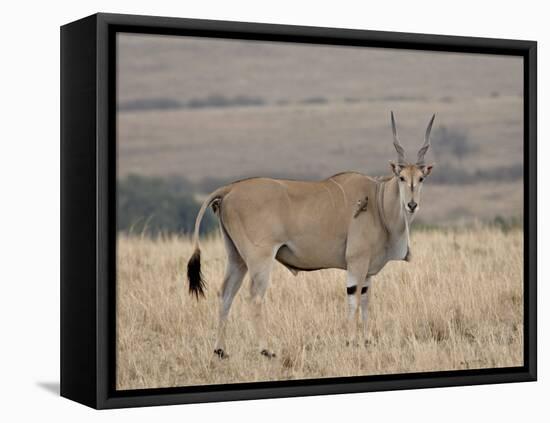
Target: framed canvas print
point(258, 211)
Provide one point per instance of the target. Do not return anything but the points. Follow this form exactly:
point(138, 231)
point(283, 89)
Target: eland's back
point(305, 223)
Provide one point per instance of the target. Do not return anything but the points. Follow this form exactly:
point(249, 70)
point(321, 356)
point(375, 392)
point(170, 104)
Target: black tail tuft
point(196, 283)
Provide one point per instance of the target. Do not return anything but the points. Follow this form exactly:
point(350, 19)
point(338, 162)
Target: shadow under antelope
point(349, 221)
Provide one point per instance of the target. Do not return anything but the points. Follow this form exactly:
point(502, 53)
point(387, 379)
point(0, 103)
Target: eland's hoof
point(221, 353)
point(267, 354)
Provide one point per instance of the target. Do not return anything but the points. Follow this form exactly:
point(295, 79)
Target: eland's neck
point(396, 218)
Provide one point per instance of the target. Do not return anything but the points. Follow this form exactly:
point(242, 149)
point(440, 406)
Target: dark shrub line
point(213, 101)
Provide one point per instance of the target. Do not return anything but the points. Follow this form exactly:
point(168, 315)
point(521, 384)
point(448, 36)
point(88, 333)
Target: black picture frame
point(88, 184)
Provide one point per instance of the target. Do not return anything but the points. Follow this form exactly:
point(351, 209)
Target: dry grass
point(457, 305)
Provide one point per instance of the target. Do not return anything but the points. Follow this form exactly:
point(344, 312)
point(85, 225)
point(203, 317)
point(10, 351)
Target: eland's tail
point(197, 285)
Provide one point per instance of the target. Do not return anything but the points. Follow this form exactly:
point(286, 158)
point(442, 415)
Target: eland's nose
point(412, 205)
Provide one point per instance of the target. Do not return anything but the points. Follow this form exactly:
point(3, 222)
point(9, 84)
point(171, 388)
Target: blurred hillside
point(208, 111)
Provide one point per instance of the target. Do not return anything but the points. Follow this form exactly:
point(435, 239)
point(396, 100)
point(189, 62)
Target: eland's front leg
point(351, 291)
point(364, 307)
point(354, 285)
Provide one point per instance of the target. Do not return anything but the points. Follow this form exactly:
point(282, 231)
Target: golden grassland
point(457, 305)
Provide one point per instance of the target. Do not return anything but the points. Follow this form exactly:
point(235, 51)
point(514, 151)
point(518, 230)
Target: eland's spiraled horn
point(396, 143)
point(426, 145)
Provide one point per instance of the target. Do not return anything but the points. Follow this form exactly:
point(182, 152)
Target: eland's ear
point(395, 168)
point(426, 170)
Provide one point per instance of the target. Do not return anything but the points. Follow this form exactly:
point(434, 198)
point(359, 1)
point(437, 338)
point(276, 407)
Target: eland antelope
point(349, 221)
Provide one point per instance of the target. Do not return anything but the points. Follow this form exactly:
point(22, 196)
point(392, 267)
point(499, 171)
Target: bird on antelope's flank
point(348, 221)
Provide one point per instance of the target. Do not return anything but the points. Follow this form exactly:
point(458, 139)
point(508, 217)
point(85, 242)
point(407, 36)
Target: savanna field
point(457, 305)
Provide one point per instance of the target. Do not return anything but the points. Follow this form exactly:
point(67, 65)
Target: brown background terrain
point(220, 109)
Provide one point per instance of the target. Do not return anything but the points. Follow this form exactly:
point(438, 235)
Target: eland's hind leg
point(260, 274)
point(235, 271)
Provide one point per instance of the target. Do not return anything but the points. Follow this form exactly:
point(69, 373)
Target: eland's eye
point(421, 179)
point(402, 179)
